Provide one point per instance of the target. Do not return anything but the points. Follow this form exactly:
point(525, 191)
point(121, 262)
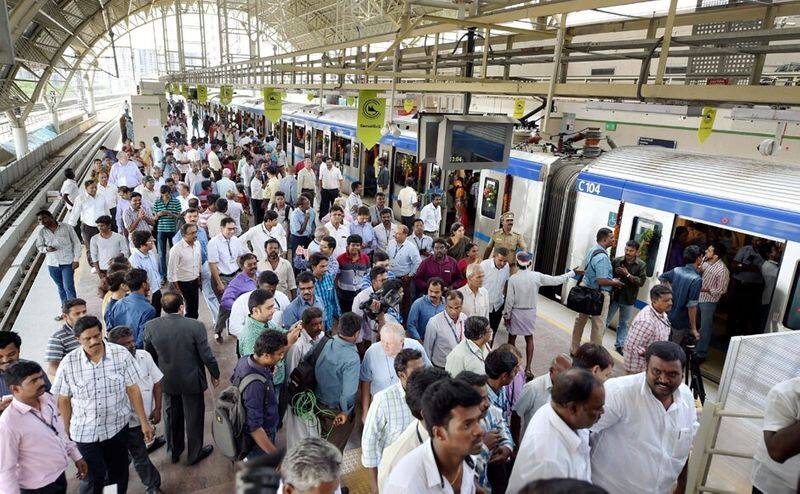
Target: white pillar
point(89, 97)
point(20, 140)
point(54, 116)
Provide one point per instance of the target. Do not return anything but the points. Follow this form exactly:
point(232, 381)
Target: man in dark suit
point(179, 346)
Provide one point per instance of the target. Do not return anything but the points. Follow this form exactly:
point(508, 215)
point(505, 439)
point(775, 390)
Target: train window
point(340, 150)
point(299, 137)
point(648, 234)
point(405, 167)
point(491, 188)
point(792, 318)
point(356, 155)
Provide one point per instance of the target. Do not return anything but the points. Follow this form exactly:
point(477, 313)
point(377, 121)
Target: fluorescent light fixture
point(677, 110)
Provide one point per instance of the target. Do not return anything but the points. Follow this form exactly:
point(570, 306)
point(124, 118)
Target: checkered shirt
point(647, 327)
point(715, 279)
point(387, 418)
point(325, 289)
point(492, 420)
point(97, 391)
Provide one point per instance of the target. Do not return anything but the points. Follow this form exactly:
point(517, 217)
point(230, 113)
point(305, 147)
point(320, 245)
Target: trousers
point(64, 277)
point(625, 313)
point(108, 463)
point(183, 421)
point(191, 297)
point(598, 324)
point(137, 451)
point(58, 486)
point(87, 232)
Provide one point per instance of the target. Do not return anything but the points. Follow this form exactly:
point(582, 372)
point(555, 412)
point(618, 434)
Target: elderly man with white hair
point(312, 466)
point(124, 172)
point(476, 297)
point(235, 208)
point(377, 368)
point(225, 183)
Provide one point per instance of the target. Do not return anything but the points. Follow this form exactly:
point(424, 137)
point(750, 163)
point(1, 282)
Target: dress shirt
point(330, 177)
point(259, 399)
point(422, 310)
point(296, 220)
point(430, 267)
point(353, 203)
point(241, 283)
point(638, 275)
point(523, 289)
point(442, 335)
point(466, 355)
point(225, 252)
point(325, 291)
point(781, 410)
point(288, 185)
point(285, 273)
point(133, 311)
point(258, 236)
point(306, 179)
point(552, 449)
point(387, 418)
point(494, 281)
point(367, 235)
point(64, 239)
point(418, 472)
point(97, 392)
point(214, 223)
point(185, 262)
point(158, 154)
point(407, 197)
point(88, 208)
point(270, 188)
point(148, 196)
point(686, 283)
point(640, 446)
point(256, 188)
point(597, 266)
point(127, 175)
point(535, 394)
point(130, 215)
point(424, 244)
point(69, 188)
point(240, 311)
point(235, 211)
point(150, 375)
point(337, 372)
point(213, 161)
point(748, 256)
point(104, 249)
point(185, 201)
point(403, 259)
point(123, 205)
point(408, 440)
point(431, 217)
point(202, 238)
point(383, 235)
point(294, 311)
point(109, 192)
point(378, 368)
point(647, 327)
point(34, 447)
point(60, 343)
point(224, 185)
point(340, 233)
point(475, 304)
point(493, 420)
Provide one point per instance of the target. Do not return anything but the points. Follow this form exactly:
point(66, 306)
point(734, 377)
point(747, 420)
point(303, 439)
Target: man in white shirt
point(158, 152)
point(235, 209)
point(124, 173)
point(535, 394)
point(445, 330)
point(338, 230)
point(431, 215)
point(109, 192)
point(385, 230)
point(496, 272)
point(87, 208)
point(354, 199)
point(184, 268)
point(452, 412)
point(556, 445)
point(213, 161)
point(644, 437)
point(184, 195)
point(267, 280)
point(408, 201)
point(256, 237)
point(148, 190)
point(223, 254)
point(69, 189)
point(476, 297)
point(330, 182)
point(777, 460)
point(225, 183)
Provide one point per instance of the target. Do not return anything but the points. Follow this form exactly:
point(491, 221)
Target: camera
point(260, 476)
point(387, 298)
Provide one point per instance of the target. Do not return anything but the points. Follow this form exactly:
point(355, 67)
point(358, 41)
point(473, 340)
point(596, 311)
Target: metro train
point(643, 193)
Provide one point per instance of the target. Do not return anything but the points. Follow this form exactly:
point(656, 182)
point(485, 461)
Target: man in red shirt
point(353, 266)
point(438, 265)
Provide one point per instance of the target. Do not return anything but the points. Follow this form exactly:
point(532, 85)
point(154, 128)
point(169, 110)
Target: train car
point(649, 193)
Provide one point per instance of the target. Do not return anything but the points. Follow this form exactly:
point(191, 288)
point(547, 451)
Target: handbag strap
point(586, 267)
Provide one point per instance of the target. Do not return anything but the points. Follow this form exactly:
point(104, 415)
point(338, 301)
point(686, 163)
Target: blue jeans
point(64, 276)
point(163, 250)
point(707, 310)
point(257, 451)
point(625, 313)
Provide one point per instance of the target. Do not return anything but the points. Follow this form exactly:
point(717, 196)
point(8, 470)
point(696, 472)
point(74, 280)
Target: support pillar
point(54, 119)
point(562, 29)
point(90, 99)
point(20, 135)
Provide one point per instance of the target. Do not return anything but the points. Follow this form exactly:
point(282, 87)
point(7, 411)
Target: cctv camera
point(767, 147)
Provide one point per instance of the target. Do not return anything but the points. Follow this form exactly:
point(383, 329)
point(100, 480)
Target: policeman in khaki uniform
point(505, 237)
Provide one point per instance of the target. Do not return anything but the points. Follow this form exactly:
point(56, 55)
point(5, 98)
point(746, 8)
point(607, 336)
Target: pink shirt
point(32, 454)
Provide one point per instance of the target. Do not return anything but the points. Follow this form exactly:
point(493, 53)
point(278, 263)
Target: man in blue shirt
point(191, 216)
point(325, 289)
point(686, 283)
point(301, 224)
point(363, 229)
point(306, 297)
point(404, 260)
point(144, 257)
point(600, 276)
point(424, 308)
point(337, 372)
point(134, 310)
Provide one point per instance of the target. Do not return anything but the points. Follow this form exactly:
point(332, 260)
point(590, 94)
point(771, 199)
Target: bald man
point(534, 395)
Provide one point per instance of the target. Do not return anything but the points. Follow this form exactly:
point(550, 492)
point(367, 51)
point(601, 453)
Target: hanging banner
point(706, 123)
point(225, 95)
point(519, 108)
point(371, 113)
point(310, 97)
point(351, 100)
point(272, 104)
point(408, 105)
point(202, 94)
point(185, 91)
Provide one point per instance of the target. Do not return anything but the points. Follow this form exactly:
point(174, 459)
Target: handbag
point(583, 299)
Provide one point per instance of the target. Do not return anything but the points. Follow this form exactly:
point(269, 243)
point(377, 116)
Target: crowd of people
point(344, 320)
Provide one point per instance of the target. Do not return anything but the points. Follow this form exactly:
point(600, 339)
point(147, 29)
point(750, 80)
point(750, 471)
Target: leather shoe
point(204, 453)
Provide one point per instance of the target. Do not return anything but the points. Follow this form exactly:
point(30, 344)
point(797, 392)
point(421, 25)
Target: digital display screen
point(478, 142)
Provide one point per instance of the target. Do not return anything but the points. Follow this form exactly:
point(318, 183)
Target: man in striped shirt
point(650, 324)
point(166, 212)
point(63, 339)
point(715, 284)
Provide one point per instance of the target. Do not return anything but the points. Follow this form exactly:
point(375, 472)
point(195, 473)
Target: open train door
point(652, 229)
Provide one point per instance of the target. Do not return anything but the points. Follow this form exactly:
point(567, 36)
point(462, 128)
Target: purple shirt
point(447, 270)
point(32, 454)
point(258, 398)
point(238, 285)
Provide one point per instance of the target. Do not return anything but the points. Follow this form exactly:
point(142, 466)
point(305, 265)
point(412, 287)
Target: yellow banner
point(408, 105)
point(225, 95)
point(371, 113)
point(272, 104)
point(310, 97)
point(519, 108)
point(351, 100)
point(706, 124)
point(202, 94)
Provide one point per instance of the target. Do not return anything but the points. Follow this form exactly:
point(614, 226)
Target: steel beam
point(562, 29)
point(662, 59)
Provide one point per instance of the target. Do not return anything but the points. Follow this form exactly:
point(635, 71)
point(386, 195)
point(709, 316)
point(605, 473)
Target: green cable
point(304, 405)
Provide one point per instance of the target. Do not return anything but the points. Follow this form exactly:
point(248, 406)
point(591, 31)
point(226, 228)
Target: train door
point(341, 152)
point(298, 141)
point(526, 195)
point(652, 229)
point(319, 142)
point(403, 167)
point(491, 196)
point(784, 311)
point(367, 163)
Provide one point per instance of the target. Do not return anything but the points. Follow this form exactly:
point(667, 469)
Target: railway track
point(19, 260)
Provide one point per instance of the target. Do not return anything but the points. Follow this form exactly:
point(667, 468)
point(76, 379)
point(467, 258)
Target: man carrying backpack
point(258, 394)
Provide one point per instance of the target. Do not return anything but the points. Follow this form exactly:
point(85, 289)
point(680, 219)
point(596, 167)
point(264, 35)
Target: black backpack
point(303, 377)
point(230, 416)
